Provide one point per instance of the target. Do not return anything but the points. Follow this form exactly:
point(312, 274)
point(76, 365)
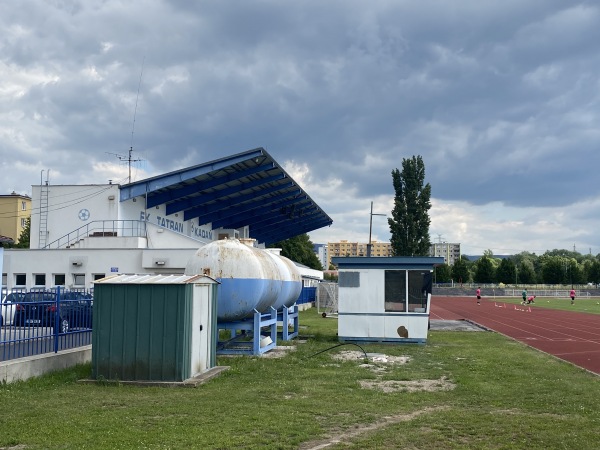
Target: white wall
point(71, 207)
point(90, 262)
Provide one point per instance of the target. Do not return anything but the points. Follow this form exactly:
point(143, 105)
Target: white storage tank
point(251, 278)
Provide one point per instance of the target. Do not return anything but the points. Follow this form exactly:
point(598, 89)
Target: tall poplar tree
point(410, 221)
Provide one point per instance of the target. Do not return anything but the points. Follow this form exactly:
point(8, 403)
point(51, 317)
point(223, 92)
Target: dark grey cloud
point(500, 98)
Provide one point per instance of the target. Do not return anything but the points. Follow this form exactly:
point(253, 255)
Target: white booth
point(384, 299)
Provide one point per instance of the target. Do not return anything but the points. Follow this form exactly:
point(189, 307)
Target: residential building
point(450, 252)
point(321, 251)
point(345, 248)
point(15, 209)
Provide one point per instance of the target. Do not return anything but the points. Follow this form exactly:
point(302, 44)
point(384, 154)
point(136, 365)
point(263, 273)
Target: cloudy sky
point(501, 99)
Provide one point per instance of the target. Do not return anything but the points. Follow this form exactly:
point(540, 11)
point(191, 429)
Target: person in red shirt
point(572, 294)
point(530, 299)
point(478, 293)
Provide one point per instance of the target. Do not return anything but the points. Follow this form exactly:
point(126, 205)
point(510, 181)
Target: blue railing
point(44, 321)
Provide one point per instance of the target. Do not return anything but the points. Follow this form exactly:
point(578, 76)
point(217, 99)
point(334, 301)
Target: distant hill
point(474, 258)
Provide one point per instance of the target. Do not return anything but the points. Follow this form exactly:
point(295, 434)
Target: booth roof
point(383, 262)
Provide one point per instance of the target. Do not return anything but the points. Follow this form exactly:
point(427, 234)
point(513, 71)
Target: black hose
point(338, 345)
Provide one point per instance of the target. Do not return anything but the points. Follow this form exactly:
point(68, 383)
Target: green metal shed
point(154, 327)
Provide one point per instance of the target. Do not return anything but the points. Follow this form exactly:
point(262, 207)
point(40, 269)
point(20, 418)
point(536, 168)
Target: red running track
point(571, 336)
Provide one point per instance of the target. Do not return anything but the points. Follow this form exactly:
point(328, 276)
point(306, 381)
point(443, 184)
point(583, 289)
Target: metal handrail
point(101, 228)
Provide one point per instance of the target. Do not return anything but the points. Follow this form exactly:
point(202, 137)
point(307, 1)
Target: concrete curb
point(33, 366)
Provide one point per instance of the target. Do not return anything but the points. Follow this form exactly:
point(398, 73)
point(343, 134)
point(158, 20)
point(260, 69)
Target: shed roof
point(245, 189)
point(156, 279)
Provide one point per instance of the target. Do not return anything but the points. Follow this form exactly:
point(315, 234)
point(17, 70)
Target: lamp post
point(371, 229)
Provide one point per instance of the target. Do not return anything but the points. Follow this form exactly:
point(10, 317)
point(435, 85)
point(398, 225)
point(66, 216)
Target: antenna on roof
point(136, 102)
point(128, 158)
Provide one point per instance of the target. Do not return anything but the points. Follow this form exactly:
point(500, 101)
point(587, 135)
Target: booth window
point(349, 279)
point(395, 290)
point(411, 297)
point(418, 290)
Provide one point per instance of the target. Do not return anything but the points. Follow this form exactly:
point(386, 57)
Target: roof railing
point(101, 228)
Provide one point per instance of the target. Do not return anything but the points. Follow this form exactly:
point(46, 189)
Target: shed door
point(199, 329)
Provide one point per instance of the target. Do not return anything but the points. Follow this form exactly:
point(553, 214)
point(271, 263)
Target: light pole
point(371, 229)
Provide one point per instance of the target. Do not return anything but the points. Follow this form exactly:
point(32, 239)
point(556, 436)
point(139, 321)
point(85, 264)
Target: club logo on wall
point(84, 214)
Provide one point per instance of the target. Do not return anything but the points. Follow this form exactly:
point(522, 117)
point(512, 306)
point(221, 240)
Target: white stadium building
point(81, 233)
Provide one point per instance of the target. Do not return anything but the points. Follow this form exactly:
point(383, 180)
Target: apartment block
point(321, 251)
point(449, 251)
point(345, 248)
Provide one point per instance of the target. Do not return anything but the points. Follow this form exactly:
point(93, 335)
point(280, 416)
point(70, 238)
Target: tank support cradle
point(287, 318)
point(247, 336)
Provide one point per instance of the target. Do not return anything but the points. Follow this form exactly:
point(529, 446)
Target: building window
point(39, 279)
point(23, 206)
point(20, 279)
point(98, 276)
point(78, 279)
point(23, 222)
point(59, 279)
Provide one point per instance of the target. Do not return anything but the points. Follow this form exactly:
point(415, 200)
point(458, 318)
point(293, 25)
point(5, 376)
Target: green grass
point(506, 395)
point(589, 305)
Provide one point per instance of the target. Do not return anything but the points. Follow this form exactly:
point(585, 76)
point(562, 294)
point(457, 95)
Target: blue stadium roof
point(246, 189)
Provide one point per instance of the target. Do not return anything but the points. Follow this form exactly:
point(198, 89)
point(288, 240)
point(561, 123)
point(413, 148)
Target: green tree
point(409, 224)
point(594, 273)
point(554, 269)
point(460, 271)
point(299, 249)
point(442, 273)
point(526, 273)
point(25, 235)
point(484, 270)
point(506, 272)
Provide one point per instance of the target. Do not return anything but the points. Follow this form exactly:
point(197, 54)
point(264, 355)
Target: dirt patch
point(348, 435)
point(378, 363)
point(279, 351)
point(389, 386)
point(377, 358)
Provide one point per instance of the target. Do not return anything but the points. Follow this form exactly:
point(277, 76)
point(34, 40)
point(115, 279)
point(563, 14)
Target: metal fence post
point(56, 319)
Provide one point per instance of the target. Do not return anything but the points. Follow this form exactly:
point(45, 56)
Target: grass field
point(460, 390)
point(589, 305)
